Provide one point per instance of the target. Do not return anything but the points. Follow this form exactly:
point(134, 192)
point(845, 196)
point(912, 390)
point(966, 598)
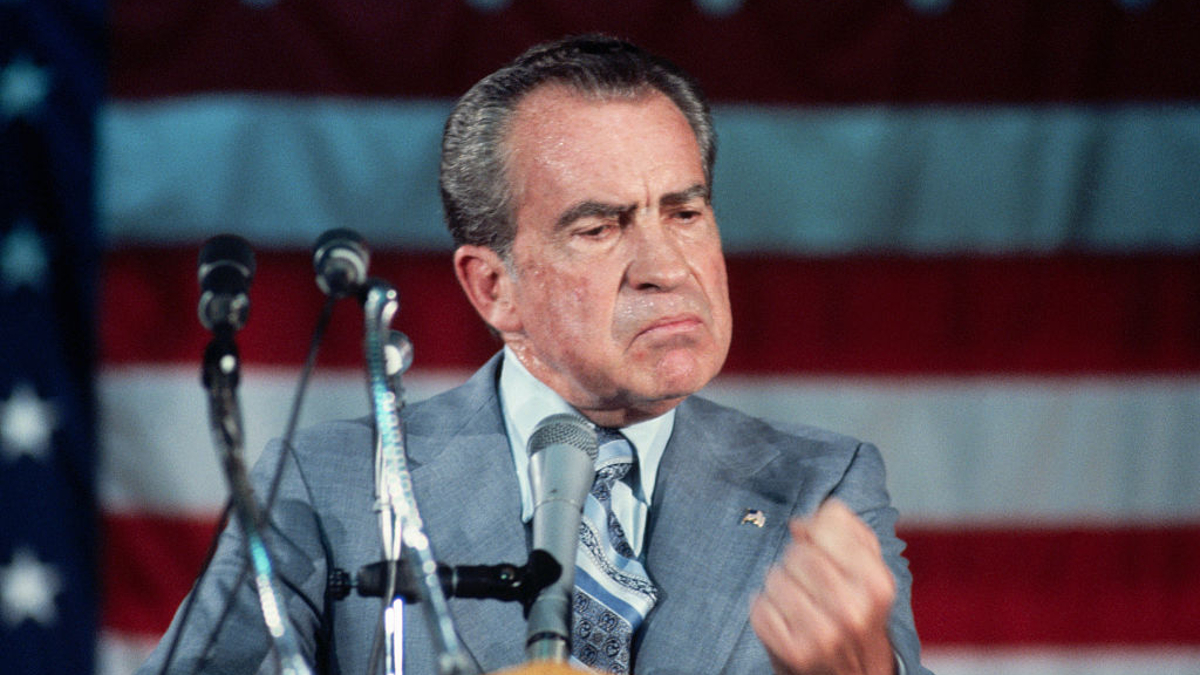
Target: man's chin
point(652, 393)
point(678, 377)
point(687, 369)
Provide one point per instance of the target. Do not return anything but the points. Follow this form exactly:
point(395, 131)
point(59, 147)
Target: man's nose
point(659, 260)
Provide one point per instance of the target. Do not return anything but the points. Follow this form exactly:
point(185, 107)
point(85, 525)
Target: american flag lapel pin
point(754, 517)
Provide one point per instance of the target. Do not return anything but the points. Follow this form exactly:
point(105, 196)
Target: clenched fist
point(824, 606)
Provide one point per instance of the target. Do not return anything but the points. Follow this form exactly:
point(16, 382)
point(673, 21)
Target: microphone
point(226, 267)
point(562, 456)
point(340, 259)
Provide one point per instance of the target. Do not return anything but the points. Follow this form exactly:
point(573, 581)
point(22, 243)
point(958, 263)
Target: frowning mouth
point(672, 325)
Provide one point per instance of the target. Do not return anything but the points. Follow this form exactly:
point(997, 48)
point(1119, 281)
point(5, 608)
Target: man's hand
point(824, 607)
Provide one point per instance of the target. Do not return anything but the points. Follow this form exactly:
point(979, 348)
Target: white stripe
point(157, 453)
point(1028, 450)
point(1062, 661)
point(975, 450)
point(945, 180)
point(281, 170)
point(122, 653)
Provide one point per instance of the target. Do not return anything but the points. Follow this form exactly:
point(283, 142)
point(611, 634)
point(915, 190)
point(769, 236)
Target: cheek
point(565, 306)
point(579, 298)
point(721, 299)
point(584, 308)
point(718, 295)
point(714, 279)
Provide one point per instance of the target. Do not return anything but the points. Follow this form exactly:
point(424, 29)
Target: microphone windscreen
point(340, 259)
point(564, 429)
point(225, 251)
point(224, 270)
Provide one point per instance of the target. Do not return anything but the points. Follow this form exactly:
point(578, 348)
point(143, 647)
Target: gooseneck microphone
point(562, 456)
point(225, 270)
point(226, 267)
point(341, 260)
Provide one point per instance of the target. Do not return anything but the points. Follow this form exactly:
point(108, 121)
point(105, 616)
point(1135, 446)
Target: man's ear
point(485, 279)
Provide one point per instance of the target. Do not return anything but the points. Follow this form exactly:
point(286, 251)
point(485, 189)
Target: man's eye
point(595, 232)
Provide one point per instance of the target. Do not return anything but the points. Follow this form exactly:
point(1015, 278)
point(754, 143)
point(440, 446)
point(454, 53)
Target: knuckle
point(827, 638)
point(859, 617)
point(882, 588)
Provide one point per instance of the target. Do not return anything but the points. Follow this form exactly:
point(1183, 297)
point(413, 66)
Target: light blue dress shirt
point(525, 401)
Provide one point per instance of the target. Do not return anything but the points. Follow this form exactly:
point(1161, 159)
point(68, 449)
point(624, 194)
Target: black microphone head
point(564, 429)
point(225, 269)
point(340, 259)
point(225, 251)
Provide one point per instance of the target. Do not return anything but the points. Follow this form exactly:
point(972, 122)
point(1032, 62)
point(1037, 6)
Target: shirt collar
point(526, 400)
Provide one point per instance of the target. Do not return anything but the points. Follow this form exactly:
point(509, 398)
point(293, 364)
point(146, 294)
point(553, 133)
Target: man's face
point(618, 283)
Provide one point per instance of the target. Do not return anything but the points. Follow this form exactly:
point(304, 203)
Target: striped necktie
point(613, 593)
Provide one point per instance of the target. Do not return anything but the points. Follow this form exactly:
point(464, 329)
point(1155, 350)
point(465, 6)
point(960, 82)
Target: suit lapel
point(707, 562)
point(467, 491)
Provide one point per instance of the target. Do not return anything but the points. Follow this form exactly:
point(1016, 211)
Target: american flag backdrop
point(51, 83)
point(967, 231)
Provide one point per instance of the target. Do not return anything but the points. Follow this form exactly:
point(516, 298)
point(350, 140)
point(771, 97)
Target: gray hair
point(476, 192)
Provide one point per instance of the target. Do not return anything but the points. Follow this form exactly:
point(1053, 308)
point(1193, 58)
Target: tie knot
point(606, 435)
point(614, 458)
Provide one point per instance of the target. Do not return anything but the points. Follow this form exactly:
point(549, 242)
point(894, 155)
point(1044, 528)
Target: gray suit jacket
point(708, 564)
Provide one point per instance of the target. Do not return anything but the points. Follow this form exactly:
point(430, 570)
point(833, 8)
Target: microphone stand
point(340, 259)
point(401, 526)
point(221, 371)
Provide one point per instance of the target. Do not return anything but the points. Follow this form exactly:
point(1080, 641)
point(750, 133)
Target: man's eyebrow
point(594, 209)
point(699, 190)
point(591, 209)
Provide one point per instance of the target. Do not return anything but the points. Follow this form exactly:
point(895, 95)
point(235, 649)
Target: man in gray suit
point(577, 186)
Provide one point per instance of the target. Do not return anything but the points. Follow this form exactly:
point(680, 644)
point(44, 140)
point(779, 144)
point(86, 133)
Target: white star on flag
point(23, 87)
point(27, 590)
point(26, 424)
point(23, 259)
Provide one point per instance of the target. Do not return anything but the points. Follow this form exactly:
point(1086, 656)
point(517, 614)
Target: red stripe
point(1133, 586)
point(149, 564)
point(850, 51)
point(150, 297)
point(1065, 314)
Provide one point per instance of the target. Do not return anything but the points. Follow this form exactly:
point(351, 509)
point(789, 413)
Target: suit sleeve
point(863, 488)
point(240, 643)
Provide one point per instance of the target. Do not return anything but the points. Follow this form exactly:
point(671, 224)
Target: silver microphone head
point(564, 429)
